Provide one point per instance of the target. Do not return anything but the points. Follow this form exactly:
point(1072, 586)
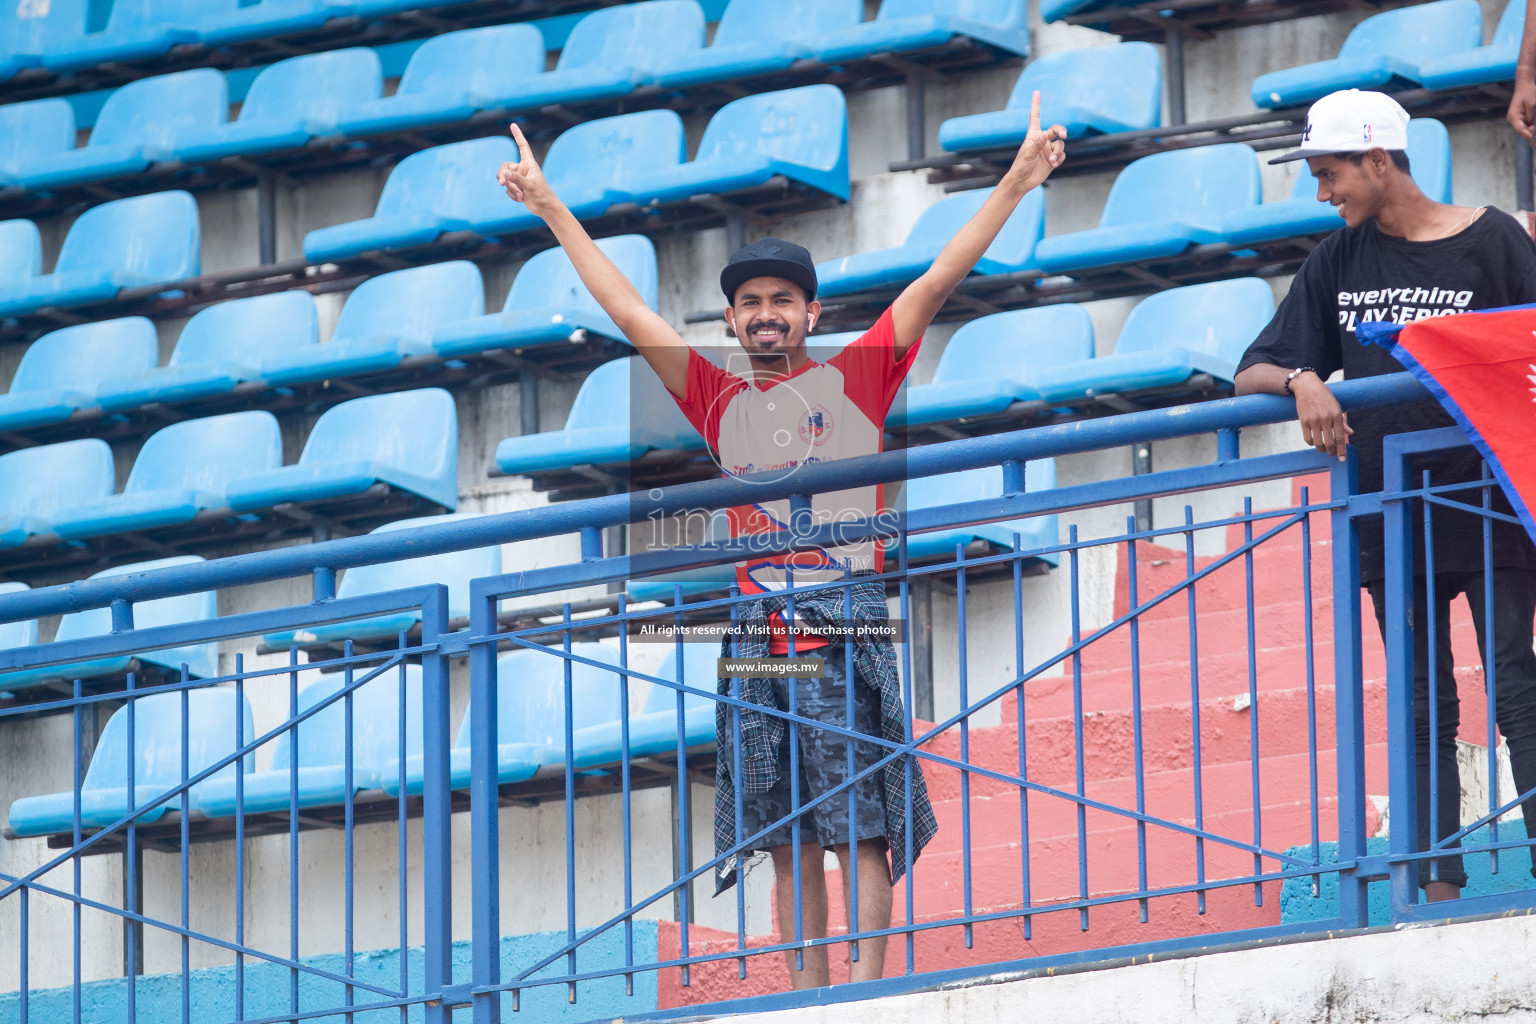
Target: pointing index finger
point(523, 149)
point(1034, 113)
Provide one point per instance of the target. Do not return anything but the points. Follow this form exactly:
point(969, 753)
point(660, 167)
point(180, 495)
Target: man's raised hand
point(1042, 151)
point(524, 181)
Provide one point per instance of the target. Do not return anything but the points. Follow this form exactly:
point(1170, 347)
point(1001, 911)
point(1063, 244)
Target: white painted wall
point(883, 207)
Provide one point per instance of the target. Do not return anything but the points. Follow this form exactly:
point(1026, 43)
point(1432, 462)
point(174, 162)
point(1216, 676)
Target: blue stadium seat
point(610, 52)
point(135, 29)
point(16, 634)
point(455, 569)
point(21, 251)
point(233, 21)
point(289, 103)
point(1485, 64)
point(548, 304)
point(41, 128)
point(202, 660)
point(591, 166)
point(992, 362)
point(920, 24)
point(530, 715)
point(450, 77)
point(1169, 337)
point(386, 319)
point(1092, 89)
point(756, 37)
point(60, 371)
point(181, 470)
point(408, 440)
point(1429, 154)
point(600, 428)
point(1384, 51)
point(1159, 206)
point(219, 348)
point(979, 485)
point(37, 484)
point(157, 756)
point(127, 243)
point(654, 730)
point(1014, 248)
point(30, 32)
point(801, 134)
point(321, 780)
point(1055, 10)
point(143, 122)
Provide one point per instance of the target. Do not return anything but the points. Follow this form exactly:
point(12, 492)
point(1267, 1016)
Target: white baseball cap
point(1351, 121)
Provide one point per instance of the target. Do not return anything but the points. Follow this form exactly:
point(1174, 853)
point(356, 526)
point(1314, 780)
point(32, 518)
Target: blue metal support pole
point(484, 810)
point(1398, 546)
point(436, 811)
point(1349, 704)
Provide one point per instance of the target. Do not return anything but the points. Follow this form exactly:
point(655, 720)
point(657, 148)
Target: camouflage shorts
point(823, 763)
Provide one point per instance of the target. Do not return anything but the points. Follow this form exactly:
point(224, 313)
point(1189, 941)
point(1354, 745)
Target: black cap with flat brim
point(769, 257)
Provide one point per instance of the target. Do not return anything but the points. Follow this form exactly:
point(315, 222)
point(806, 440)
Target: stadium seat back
point(1034, 338)
point(244, 331)
point(40, 481)
point(135, 17)
point(1219, 319)
point(79, 358)
point(699, 666)
point(412, 302)
point(415, 429)
point(202, 660)
point(603, 398)
point(160, 111)
point(549, 281)
point(1014, 244)
point(314, 85)
point(206, 454)
point(37, 30)
point(610, 152)
point(1191, 186)
point(1511, 25)
point(31, 130)
point(1123, 82)
point(980, 484)
point(455, 569)
point(157, 729)
point(21, 250)
point(449, 180)
point(991, 12)
point(808, 126)
point(530, 695)
point(1429, 156)
point(473, 60)
point(759, 22)
point(633, 34)
point(156, 236)
point(376, 713)
point(16, 634)
point(1417, 33)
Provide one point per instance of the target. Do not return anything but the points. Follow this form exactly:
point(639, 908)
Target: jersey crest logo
point(816, 427)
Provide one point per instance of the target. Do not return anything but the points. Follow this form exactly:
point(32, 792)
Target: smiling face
point(1357, 191)
point(771, 318)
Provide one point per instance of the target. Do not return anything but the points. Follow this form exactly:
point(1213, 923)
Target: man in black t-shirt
point(1402, 257)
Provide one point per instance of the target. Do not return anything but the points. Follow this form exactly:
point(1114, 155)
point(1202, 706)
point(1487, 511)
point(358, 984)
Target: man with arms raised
point(781, 410)
point(1401, 256)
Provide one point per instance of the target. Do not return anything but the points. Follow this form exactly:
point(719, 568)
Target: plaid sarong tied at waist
point(763, 735)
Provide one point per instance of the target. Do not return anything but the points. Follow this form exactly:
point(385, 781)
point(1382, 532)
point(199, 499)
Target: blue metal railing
point(1190, 802)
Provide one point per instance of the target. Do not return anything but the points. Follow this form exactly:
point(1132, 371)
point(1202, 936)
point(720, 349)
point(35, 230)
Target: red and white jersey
point(775, 423)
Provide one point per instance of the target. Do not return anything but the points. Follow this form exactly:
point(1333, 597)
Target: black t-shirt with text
point(1357, 275)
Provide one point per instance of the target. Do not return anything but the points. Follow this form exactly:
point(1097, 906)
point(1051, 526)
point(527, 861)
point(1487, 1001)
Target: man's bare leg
point(1439, 892)
point(813, 912)
point(874, 907)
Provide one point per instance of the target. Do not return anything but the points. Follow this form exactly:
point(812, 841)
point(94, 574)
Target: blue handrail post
point(1349, 703)
point(485, 853)
point(436, 809)
point(1398, 551)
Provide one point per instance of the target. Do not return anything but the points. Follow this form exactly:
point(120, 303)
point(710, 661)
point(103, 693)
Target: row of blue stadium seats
point(407, 441)
point(608, 53)
point(1040, 354)
point(1159, 205)
point(1436, 45)
point(109, 366)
